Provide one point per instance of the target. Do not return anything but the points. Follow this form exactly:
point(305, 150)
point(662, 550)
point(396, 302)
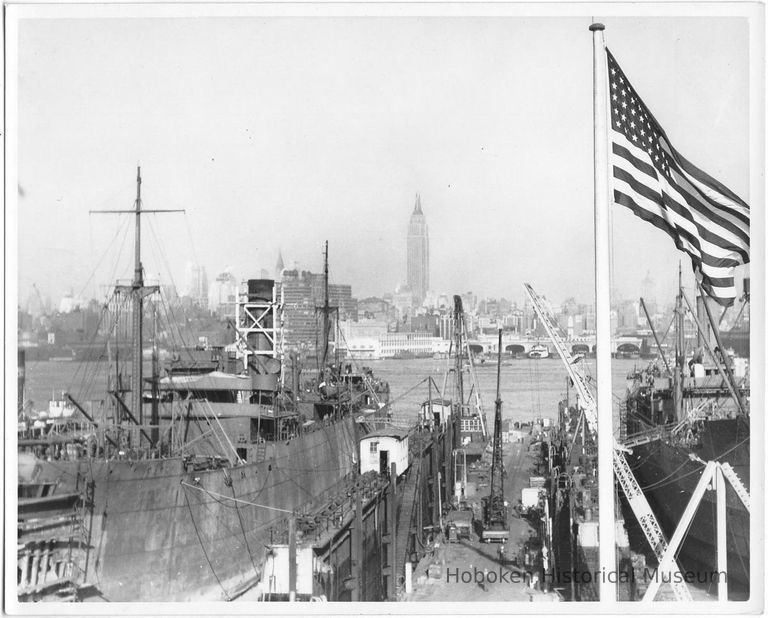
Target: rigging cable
point(171, 319)
point(83, 367)
point(237, 500)
point(242, 527)
point(110, 244)
point(202, 546)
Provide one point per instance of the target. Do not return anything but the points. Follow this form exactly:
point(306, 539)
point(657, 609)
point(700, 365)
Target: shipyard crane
point(635, 496)
point(495, 527)
point(468, 419)
point(464, 363)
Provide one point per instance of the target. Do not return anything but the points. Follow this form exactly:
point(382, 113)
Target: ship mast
point(679, 346)
point(326, 310)
point(326, 307)
point(136, 291)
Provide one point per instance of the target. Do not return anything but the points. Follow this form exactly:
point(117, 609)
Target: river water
point(530, 388)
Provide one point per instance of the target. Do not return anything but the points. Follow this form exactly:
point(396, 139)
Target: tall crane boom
point(635, 496)
point(464, 363)
point(495, 526)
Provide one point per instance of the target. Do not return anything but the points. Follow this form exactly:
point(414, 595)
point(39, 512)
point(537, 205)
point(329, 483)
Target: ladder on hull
point(741, 491)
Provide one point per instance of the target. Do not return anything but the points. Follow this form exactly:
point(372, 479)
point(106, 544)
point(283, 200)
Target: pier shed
point(383, 447)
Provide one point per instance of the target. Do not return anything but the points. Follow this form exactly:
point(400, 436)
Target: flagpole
point(607, 520)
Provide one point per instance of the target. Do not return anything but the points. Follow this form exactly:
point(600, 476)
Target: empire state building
point(418, 254)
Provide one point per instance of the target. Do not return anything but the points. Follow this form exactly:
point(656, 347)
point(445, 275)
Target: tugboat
point(539, 351)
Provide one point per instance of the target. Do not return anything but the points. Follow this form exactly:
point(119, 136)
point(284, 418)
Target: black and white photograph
point(384, 308)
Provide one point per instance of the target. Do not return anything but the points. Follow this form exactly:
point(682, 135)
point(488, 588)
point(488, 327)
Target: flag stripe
point(729, 231)
point(676, 214)
point(725, 290)
point(704, 218)
point(706, 179)
point(724, 206)
point(688, 192)
point(688, 240)
point(641, 165)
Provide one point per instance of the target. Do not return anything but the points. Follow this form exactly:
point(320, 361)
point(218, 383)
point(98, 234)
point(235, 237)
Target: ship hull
point(158, 530)
point(669, 476)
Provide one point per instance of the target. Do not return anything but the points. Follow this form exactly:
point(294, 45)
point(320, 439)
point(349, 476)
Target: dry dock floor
point(452, 560)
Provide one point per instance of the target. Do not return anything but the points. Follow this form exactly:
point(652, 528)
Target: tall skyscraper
point(418, 254)
point(648, 293)
point(279, 267)
point(196, 284)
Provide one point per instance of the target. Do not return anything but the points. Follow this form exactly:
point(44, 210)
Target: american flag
point(704, 218)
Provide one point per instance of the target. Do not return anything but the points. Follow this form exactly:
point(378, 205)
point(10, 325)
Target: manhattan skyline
point(285, 146)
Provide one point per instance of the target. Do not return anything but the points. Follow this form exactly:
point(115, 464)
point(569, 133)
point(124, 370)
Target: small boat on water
point(538, 351)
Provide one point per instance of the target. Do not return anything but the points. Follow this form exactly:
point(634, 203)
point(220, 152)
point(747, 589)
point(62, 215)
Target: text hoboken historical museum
point(506, 576)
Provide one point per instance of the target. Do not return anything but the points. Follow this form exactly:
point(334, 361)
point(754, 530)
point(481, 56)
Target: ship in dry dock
point(663, 463)
point(681, 413)
point(168, 488)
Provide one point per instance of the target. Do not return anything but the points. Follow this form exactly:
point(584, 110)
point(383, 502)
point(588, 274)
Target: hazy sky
point(282, 132)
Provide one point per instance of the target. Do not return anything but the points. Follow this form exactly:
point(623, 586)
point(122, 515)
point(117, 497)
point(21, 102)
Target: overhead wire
point(84, 377)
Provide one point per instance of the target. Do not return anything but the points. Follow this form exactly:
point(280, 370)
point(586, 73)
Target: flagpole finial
point(596, 26)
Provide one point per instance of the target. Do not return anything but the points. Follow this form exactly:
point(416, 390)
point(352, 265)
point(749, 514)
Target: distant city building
point(70, 303)
point(487, 324)
point(429, 324)
point(170, 294)
point(223, 295)
point(362, 340)
point(628, 316)
point(303, 294)
point(468, 301)
point(648, 292)
point(406, 345)
point(196, 288)
point(402, 300)
point(513, 322)
point(35, 305)
point(446, 325)
point(369, 340)
point(418, 254)
point(373, 308)
point(279, 267)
